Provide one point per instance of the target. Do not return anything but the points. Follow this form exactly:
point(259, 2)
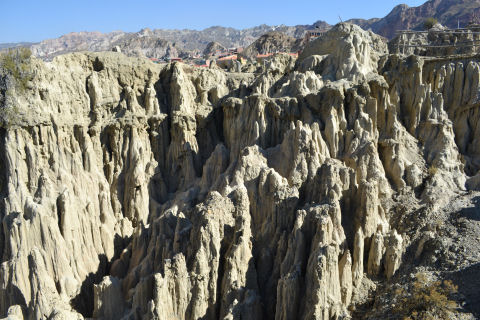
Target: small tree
point(426, 299)
point(429, 23)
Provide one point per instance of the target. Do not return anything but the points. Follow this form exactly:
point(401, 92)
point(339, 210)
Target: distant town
point(228, 58)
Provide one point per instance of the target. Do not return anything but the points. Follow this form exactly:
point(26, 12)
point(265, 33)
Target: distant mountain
point(449, 13)
point(77, 41)
point(162, 43)
point(14, 45)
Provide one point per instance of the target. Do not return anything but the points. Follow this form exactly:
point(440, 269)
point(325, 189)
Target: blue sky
point(37, 20)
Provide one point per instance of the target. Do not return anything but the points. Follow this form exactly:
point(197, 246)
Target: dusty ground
point(451, 252)
point(461, 254)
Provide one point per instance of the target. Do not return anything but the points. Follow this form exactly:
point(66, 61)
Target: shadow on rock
point(471, 213)
point(83, 302)
point(468, 282)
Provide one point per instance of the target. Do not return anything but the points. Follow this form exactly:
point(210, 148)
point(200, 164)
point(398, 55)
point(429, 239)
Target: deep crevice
point(60, 210)
point(83, 303)
point(98, 65)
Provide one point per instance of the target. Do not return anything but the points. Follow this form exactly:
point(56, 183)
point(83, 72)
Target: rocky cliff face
point(141, 191)
point(437, 42)
point(273, 42)
point(450, 13)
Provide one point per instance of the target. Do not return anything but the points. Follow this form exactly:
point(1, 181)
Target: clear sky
point(35, 20)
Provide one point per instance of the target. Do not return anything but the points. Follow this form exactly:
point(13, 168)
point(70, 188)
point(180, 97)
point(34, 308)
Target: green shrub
point(15, 63)
point(429, 23)
point(15, 74)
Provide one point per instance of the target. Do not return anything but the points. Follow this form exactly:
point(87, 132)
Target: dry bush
point(432, 170)
point(426, 299)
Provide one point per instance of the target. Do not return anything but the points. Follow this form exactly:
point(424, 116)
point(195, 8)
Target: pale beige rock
point(345, 266)
point(65, 315)
point(14, 313)
point(347, 51)
point(148, 191)
point(393, 253)
point(376, 254)
point(108, 300)
point(357, 267)
point(426, 237)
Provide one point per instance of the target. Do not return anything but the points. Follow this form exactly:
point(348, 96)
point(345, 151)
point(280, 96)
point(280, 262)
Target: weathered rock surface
point(141, 191)
point(212, 48)
point(450, 13)
point(272, 42)
point(437, 42)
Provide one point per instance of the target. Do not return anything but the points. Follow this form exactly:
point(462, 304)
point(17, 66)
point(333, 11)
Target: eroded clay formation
point(144, 191)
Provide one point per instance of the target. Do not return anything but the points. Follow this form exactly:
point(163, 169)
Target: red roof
point(232, 57)
point(264, 55)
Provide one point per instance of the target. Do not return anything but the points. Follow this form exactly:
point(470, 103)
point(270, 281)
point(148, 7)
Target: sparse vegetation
point(427, 299)
point(432, 170)
point(15, 74)
point(429, 23)
point(14, 63)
